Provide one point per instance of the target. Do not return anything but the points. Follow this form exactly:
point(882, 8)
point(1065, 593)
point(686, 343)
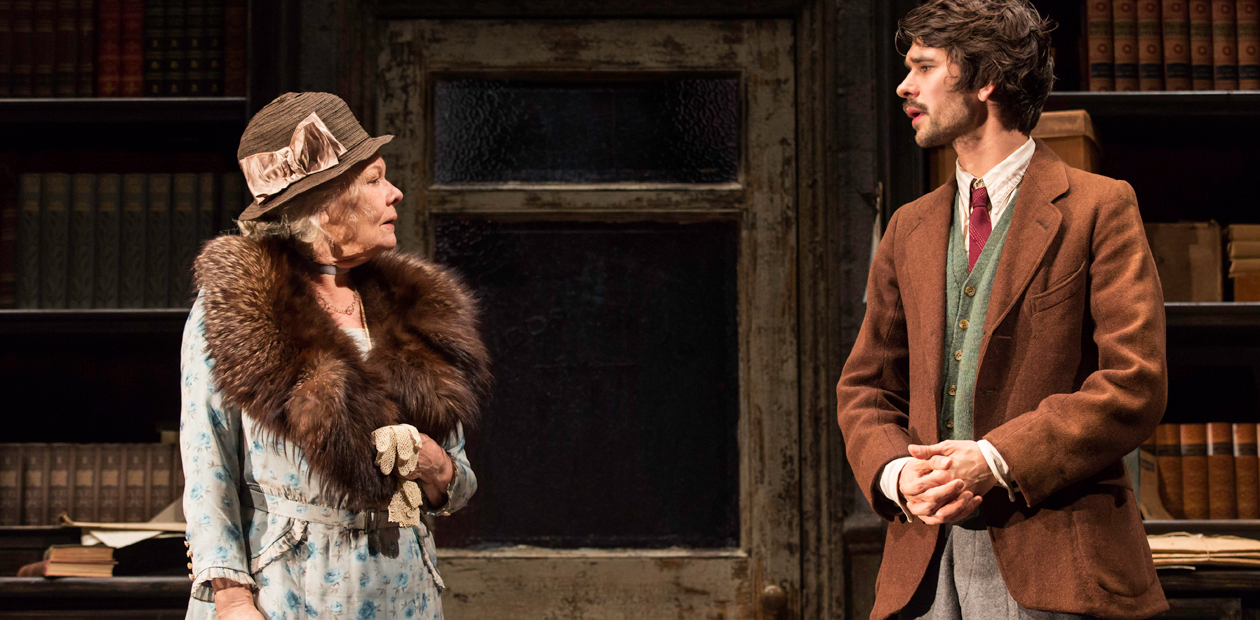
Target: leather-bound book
point(155, 48)
point(6, 47)
point(1194, 470)
point(1246, 471)
point(1222, 498)
point(1150, 46)
point(1098, 38)
point(1224, 45)
point(66, 63)
point(176, 54)
point(131, 245)
point(26, 253)
point(213, 48)
point(1249, 44)
point(1168, 455)
point(1125, 16)
point(44, 48)
point(1201, 44)
point(109, 49)
point(107, 217)
point(235, 43)
point(132, 59)
point(54, 239)
point(81, 253)
point(85, 70)
point(22, 28)
point(1175, 15)
point(157, 266)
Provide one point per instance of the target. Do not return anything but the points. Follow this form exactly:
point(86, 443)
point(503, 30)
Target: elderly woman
point(307, 337)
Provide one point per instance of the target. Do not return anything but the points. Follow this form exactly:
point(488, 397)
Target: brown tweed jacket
point(1072, 377)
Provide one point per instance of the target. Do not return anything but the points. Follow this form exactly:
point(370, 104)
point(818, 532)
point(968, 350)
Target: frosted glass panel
point(661, 130)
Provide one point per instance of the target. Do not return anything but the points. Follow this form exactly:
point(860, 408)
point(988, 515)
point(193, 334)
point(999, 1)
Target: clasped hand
point(946, 481)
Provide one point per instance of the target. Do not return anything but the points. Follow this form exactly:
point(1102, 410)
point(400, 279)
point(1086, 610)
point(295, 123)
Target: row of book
point(73, 561)
point(1158, 45)
point(110, 240)
point(89, 482)
point(1206, 471)
point(123, 48)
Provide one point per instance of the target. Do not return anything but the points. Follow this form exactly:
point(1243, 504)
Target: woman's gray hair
point(299, 220)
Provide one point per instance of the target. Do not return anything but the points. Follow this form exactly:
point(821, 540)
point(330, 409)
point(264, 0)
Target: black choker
point(331, 270)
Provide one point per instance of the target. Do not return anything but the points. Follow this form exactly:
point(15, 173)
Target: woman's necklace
point(349, 311)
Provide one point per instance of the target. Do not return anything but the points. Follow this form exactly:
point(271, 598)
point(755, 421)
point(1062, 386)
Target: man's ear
point(985, 92)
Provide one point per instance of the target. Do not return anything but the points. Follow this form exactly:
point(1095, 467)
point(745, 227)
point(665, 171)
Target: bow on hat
point(311, 149)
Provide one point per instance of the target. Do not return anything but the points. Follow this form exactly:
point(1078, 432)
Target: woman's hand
point(233, 601)
point(434, 470)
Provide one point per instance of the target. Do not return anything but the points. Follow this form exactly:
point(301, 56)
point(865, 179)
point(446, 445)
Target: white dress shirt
point(1001, 181)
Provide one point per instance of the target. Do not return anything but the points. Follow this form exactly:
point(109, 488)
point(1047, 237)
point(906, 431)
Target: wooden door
point(621, 196)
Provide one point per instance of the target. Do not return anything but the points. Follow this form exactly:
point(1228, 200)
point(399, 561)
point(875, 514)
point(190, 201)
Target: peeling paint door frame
point(527, 582)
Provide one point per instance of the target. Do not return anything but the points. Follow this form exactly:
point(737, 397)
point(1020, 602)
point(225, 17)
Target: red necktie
point(979, 226)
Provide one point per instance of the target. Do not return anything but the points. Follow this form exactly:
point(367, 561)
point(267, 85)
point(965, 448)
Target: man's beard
point(949, 121)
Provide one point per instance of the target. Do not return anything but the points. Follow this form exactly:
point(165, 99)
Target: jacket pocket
point(1111, 542)
point(1060, 291)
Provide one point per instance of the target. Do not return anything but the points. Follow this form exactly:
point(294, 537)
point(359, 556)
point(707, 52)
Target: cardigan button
point(953, 390)
point(958, 355)
point(970, 291)
point(964, 324)
point(949, 422)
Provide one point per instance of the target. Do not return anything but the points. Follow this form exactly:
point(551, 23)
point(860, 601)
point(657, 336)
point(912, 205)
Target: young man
point(1012, 351)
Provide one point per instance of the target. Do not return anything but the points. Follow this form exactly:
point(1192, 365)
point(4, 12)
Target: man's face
point(938, 114)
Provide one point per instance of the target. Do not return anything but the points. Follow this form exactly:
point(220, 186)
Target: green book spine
point(207, 200)
point(131, 238)
point(10, 213)
point(26, 259)
point(108, 207)
point(234, 201)
point(176, 55)
point(66, 48)
point(86, 69)
point(183, 238)
point(195, 48)
point(54, 240)
point(158, 242)
point(154, 47)
point(82, 230)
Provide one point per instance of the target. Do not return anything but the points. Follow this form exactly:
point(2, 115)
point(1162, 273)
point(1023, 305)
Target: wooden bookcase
point(112, 375)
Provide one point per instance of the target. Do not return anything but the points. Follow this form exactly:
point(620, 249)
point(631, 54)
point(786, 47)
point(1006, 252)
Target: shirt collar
point(1001, 180)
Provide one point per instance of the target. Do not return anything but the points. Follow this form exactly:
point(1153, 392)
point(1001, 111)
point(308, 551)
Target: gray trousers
point(963, 582)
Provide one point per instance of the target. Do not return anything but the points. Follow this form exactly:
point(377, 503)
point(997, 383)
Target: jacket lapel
point(1034, 223)
point(929, 243)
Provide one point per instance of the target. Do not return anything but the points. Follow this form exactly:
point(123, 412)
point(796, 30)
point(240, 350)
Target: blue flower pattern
point(327, 571)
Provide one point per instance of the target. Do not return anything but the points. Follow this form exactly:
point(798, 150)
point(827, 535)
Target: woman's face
point(373, 231)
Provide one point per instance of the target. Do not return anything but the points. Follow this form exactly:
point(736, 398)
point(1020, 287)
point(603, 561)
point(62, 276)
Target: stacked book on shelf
point(1155, 45)
point(110, 240)
point(73, 561)
point(89, 482)
point(1244, 261)
point(123, 48)
point(1206, 471)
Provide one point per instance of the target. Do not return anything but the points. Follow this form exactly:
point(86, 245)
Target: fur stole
point(282, 360)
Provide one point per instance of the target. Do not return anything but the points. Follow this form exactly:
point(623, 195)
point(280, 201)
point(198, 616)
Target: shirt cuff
point(889, 482)
point(1001, 471)
point(203, 591)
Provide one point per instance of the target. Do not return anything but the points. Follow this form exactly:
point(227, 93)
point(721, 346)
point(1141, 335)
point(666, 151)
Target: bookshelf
point(124, 110)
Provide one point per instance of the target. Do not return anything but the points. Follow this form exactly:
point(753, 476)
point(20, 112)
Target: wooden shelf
point(124, 110)
point(1246, 528)
point(1212, 314)
point(1159, 103)
point(94, 588)
point(137, 321)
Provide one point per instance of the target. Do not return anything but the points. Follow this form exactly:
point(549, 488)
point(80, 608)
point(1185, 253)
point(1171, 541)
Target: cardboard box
point(1188, 257)
point(1246, 286)
point(1069, 133)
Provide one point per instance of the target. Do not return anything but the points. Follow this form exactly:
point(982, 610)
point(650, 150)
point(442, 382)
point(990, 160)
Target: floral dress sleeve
point(210, 435)
point(463, 483)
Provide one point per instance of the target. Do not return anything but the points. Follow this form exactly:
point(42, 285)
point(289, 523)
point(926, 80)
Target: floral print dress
point(305, 557)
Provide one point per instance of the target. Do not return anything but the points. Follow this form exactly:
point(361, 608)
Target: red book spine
point(1201, 44)
point(44, 48)
point(132, 59)
point(1224, 45)
point(1150, 48)
point(67, 45)
point(235, 38)
point(1175, 15)
point(86, 70)
point(23, 54)
point(1249, 44)
point(109, 44)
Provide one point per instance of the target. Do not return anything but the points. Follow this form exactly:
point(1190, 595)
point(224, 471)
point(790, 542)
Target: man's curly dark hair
point(1001, 42)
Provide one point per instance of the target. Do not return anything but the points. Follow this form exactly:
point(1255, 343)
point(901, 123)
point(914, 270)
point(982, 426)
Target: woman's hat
point(297, 142)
